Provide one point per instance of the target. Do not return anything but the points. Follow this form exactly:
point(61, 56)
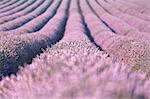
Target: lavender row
point(133, 52)
point(113, 22)
point(119, 26)
point(144, 4)
point(75, 70)
point(92, 19)
point(18, 8)
point(74, 28)
point(12, 2)
point(19, 49)
point(125, 7)
point(6, 3)
point(130, 6)
point(19, 3)
point(37, 23)
point(26, 11)
point(24, 19)
point(141, 25)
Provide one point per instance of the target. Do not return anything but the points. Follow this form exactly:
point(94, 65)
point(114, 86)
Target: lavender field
point(74, 49)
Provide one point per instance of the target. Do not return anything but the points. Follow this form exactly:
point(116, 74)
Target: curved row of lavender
point(18, 8)
point(35, 24)
point(119, 26)
point(143, 7)
point(103, 19)
point(77, 67)
point(123, 48)
point(24, 19)
point(26, 11)
point(136, 22)
point(10, 8)
point(12, 2)
point(131, 8)
point(18, 49)
point(75, 28)
point(75, 70)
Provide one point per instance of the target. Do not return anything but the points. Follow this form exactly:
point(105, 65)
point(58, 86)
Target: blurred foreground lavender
point(75, 70)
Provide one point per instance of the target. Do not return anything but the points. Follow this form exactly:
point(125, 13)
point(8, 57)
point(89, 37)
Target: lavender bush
point(75, 70)
point(131, 51)
point(74, 49)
